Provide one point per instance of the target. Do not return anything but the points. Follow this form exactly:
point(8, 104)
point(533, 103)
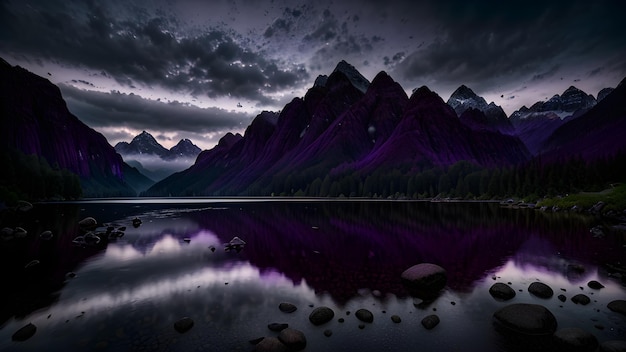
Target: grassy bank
point(614, 198)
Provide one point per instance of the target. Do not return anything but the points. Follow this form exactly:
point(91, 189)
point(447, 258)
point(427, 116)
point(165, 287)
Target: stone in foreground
point(525, 319)
point(293, 339)
point(430, 321)
point(540, 290)
point(574, 339)
point(501, 291)
point(270, 344)
point(424, 279)
point(183, 325)
point(24, 333)
point(287, 307)
point(581, 299)
point(321, 315)
point(364, 315)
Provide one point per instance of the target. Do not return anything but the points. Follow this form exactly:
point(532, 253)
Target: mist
point(156, 168)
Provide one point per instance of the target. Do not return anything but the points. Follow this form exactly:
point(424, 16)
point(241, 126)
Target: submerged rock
point(501, 291)
point(293, 339)
point(183, 325)
point(321, 315)
point(525, 319)
point(541, 290)
point(24, 333)
point(581, 299)
point(287, 307)
point(574, 339)
point(270, 344)
point(364, 315)
point(430, 321)
point(618, 306)
point(424, 280)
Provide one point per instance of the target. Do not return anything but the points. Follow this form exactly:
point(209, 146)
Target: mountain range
point(345, 136)
point(348, 129)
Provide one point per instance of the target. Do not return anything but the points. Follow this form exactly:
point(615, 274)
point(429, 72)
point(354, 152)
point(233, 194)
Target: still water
point(126, 294)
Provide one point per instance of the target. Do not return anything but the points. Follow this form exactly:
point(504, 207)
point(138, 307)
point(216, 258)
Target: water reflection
point(348, 255)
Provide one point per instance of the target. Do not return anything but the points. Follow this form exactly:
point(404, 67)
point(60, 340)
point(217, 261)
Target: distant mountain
point(493, 116)
point(535, 124)
point(145, 144)
point(337, 129)
point(35, 121)
point(603, 93)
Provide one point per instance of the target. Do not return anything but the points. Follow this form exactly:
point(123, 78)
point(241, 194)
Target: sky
point(199, 69)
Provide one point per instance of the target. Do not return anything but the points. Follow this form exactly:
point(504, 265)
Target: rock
point(597, 208)
point(328, 333)
point(525, 319)
point(23, 206)
point(430, 321)
point(6, 233)
point(613, 346)
point(277, 326)
point(88, 223)
point(46, 235)
point(270, 344)
point(574, 339)
point(501, 291)
point(256, 341)
point(33, 263)
point(19, 232)
point(581, 299)
point(24, 333)
point(287, 307)
point(618, 306)
point(321, 315)
point(597, 232)
point(424, 279)
point(235, 244)
point(595, 285)
point(293, 339)
point(183, 325)
point(364, 315)
point(136, 222)
point(396, 319)
point(562, 298)
point(541, 290)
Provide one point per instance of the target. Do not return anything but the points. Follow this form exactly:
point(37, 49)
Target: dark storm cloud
point(117, 109)
point(148, 50)
point(483, 42)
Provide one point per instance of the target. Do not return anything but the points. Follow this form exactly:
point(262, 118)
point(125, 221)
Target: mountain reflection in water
point(347, 255)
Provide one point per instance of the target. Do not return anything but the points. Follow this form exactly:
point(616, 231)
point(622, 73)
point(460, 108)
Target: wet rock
point(501, 291)
point(595, 285)
point(541, 290)
point(88, 223)
point(364, 315)
point(287, 307)
point(321, 315)
point(618, 306)
point(293, 339)
point(574, 339)
point(183, 325)
point(525, 319)
point(19, 232)
point(396, 319)
point(277, 326)
point(270, 344)
point(562, 298)
point(24, 333)
point(581, 299)
point(46, 235)
point(429, 322)
point(613, 346)
point(23, 206)
point(424, 279)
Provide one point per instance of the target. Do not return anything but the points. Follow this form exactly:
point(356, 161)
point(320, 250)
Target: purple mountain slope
point(35, 120)
point(595, 134)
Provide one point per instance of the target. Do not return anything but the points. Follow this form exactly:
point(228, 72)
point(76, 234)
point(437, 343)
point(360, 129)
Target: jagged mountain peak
point(356, 78)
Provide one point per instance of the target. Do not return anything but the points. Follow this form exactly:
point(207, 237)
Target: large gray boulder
point(424, 279)
point(575, 340)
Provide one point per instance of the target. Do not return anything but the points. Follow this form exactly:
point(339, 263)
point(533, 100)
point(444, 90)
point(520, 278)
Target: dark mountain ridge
point(145, 144)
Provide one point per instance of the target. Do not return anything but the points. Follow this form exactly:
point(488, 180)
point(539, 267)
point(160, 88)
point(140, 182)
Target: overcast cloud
point(215, 64)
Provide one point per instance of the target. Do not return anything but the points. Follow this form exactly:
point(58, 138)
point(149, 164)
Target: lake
point(126, 293)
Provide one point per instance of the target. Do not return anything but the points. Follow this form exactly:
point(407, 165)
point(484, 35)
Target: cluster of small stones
point(534, 325)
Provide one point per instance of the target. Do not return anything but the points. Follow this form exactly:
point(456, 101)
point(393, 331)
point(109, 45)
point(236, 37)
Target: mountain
point(603, 93)
point(535, 124)
point(35, 121)
point(145, 144)
point(337, 129)
point(493, 118)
